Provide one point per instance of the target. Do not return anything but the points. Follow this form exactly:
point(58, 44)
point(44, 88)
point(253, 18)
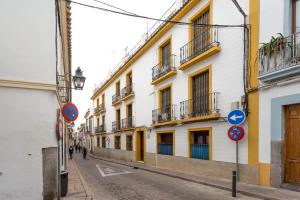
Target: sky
point(100, 39)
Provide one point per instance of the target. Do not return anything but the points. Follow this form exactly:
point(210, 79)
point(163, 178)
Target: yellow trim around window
point(211, 51)
point(161, 45)
point(210, 139)
point(190, 84)
point(127, 77)
point(159, 94)
point(166, 132)
point(207, 6)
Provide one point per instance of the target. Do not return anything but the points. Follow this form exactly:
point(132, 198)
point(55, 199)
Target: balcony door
point(200, 95)
point(201, 34)
point(165, 104)
point(166, 55)
point(129, 115)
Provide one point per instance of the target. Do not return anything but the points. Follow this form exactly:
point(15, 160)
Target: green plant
point(275, 45)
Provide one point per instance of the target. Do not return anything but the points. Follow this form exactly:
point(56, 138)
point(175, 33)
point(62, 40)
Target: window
point(103, 100)
point(200, 94)
point(129, 142)
point(98, 141)
point(98, 122)
point(201, 34)
point(117, 142)
point(118, 117)
point(295, 16)
point(199, 142)
point(103, 120)
point(103, 142)
point(97, 102)
point(165, 143)
point(165, 99)
point(118, 88)
point(166, 54)
point(129, 79)
point(129, 116)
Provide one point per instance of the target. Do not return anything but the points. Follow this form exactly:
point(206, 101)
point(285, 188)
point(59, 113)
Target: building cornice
point(164, 29)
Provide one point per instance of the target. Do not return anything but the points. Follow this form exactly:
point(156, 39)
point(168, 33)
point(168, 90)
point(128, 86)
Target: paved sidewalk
point(257, 191)
point(77, 187)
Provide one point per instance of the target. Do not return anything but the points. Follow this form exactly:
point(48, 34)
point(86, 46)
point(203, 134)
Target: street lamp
point(78, 79)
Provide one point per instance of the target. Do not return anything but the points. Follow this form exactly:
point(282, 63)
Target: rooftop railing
point(173, 9)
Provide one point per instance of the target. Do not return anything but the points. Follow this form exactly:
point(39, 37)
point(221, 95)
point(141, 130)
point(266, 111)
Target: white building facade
point(34, 48)
point(167, 104)
point(279, 91)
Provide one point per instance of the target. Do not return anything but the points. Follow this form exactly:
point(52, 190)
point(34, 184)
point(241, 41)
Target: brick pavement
point(77, 187)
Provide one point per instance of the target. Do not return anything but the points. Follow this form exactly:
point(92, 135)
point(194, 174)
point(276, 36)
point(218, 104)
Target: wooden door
point(292, 144)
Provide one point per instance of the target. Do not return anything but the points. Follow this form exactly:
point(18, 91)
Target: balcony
point(202, 108)
point(100, 129)
point(127, 123)
point(280, 59)
point(99, 109)
point(164, 115)
point(116, 99)
point(161, 71)
point(116, 126)
point(127, 92)
point(199, 48)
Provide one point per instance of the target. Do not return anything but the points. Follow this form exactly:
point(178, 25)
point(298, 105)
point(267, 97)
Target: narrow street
point(109, 181)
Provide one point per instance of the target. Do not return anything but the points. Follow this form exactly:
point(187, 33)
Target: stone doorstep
point(257, 191)
point(289, 186)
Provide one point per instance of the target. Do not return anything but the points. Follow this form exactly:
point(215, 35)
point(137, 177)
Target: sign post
point(236, 133)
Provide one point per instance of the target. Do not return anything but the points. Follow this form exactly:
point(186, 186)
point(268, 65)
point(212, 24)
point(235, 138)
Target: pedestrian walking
point(71, 152)
point(79, 148)
point(76, 147)
point(84, 151)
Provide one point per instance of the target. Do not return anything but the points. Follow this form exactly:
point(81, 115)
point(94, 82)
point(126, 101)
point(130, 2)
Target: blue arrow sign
point(236, 117)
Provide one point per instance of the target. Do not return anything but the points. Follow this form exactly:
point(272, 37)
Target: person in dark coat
point(84, 152)
point(79, 148)
point(71, 152)
point(76, 147)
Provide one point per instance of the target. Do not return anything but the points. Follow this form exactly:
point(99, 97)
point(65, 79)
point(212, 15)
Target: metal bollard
point(233, 183)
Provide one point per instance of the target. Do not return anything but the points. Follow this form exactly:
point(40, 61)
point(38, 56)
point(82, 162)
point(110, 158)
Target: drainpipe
point(245, 56)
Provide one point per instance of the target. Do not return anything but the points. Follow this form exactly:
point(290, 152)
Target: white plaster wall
point(271, 20)
point(265, 97)
point(27, 41)
point(270, 26)
point(226, 79)
point(27, 124)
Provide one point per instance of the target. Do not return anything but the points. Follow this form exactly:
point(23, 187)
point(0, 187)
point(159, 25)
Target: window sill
point(201, 118)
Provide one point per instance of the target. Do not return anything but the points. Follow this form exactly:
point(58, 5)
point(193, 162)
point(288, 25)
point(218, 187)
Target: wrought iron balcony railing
point(127, 91)
point(100, 128)
point(127, 123)
point(280, 54)
point(200, 106)
point(116, 98)
point(99, 108)
point(163, 68)
point(116, 126)
point(207, 40)
point(164, 114)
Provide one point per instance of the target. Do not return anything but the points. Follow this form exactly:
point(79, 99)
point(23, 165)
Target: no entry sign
point(236, 133)
point(70, 112)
